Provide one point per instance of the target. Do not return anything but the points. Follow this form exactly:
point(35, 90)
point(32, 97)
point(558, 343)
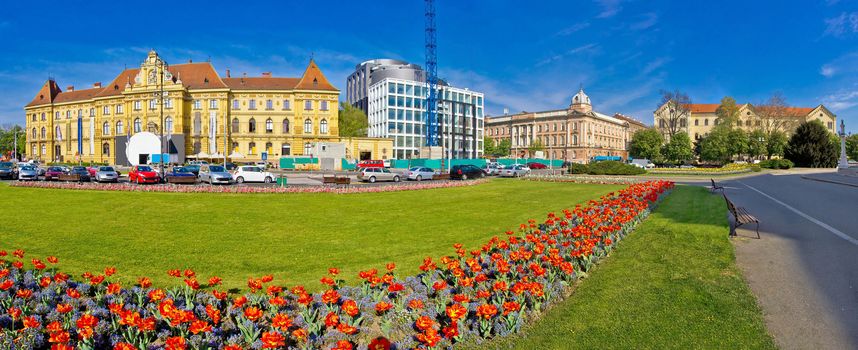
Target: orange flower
point(109, 271)
point(157, 294)
point(252, 313)
point(123, 346)
point(456, 312)
point(214, 314)
point(176, 343)
point(330, 296)
point(198, 327)
point(272, 340)
point(53, 260)
point(31, 322)
point(59, 337)
point(424, 322)
point(239, 301)
point(331, 320)
point(300, 334)
point(113, 288)
point(487, 311)
point(350, 308)
point(334, 271)
point(429, 337)
point(24, 293)
point(267, 278)
point(232, 347)
point(451, 331)
point(346, 329)
point(379, 343)
point(382, 307)
point(343, 345)
point(281, 321)
point(327, 281)
point(391, 266)
point(214, 280)
point(174, 273)
point(416, 304)
point(86, 321)
point(510, 306)
point(144, 282)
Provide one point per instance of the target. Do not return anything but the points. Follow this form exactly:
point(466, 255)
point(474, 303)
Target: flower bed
point(90, 186)
point(729, 169)
point(605, 180)
point(469, 296)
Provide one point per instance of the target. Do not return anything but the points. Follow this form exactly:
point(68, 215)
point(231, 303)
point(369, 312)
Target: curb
point(829, 181)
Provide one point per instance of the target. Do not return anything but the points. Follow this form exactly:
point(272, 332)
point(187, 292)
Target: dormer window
point(315, 82)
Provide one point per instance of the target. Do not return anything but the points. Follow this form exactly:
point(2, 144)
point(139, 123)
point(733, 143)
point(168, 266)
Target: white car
point(252, 173)
point(515, 170)
point(420, 173)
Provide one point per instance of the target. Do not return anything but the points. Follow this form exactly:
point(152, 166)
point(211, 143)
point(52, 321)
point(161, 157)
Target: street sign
point(264, 155)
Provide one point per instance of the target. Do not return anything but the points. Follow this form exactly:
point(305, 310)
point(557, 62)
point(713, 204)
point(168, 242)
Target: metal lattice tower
point(431, 76)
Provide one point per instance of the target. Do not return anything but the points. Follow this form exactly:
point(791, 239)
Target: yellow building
point(702, 118)
point(204, 116)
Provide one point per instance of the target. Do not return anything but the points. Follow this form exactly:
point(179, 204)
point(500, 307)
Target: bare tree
point(776, 115)
point(677, 109)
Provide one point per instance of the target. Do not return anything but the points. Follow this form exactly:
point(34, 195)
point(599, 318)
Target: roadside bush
point(576, 168)
point(611, 167)
point(777, 164)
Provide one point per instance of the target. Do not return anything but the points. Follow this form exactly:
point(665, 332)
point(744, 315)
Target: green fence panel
point(287, 163)
point(347, 165)
point(306, 160)
point(475, 162)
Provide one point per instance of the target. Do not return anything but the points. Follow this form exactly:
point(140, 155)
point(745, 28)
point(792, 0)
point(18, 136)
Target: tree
point(535, 146)
point(756, 143)
point(852, 147)
point(679, 148)
point(715, 146)
point(776, 144)
point(488, 146)
point(646, 144)
point(811, 146)
point(352, 121)
point(7, 139)
point(727, 112)
point(677, 109)
point(502, 148)
point(776, 115)
point(737, 142)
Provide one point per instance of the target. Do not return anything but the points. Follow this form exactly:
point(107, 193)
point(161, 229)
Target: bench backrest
point(730, 206)
point(713, 183)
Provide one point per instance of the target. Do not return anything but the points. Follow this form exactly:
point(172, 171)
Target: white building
point(397, 110)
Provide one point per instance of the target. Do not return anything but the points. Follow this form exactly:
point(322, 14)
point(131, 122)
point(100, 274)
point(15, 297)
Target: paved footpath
point(804, 270)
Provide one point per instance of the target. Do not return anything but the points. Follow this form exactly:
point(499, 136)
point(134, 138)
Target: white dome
point(581, 98)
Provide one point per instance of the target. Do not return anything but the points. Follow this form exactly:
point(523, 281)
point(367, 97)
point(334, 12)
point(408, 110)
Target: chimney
point(70, 88)
point(97, 85)
point(227, 73)
point(266, 74)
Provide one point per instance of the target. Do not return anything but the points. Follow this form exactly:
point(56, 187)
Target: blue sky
point(523, 55)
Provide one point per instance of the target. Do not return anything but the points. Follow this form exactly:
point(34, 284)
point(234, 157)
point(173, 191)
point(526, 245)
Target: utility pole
point(15, 143)
point(160, 94)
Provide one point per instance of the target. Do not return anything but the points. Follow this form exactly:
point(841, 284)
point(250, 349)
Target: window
point(119, 109)
point(43, 116)
point(268, 147)
point(748, 122)
point(252, 104)
point(324, 106)
point(308, 126)
point(197, 104)
point(33, 117)
point(285, 149)
point(152, 104)
point(696, 122)
point(44, 150)
point(34, 133)
point(79, 113)
point(198, 125)
point(235, 104)
point(168, 124)
point(269, 105)
point(212, 104)
point(252, 148)
point(105, 149)
point(308, 105)
point(706, 122)
point(758, 123)
point(251, 126)
point(58, 133)
point(235, 126)
point(138, 125)
point(44, 132)
point(285, 126)
point(269, 126)
point(286, 105)
point(56, 115)
point(197, 147)
point(105, 110)
point(68, 114)
point(738, 123)
point(136, 105)
point(308, 148)
point(234, 147)
point(168, 103)
point(682, 123)
point(119, 128)
point(105, 129)
point(323, 126)
point(830, 125)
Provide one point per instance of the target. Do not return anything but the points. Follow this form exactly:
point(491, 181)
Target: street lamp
point(160, 95)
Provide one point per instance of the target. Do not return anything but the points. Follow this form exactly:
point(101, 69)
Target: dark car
point(535, 165)
point(194, 168)
point(181, 174)
point(230, 167)
point(464, 172)
point(8, 171)
point(82, 171)
point(53, 173)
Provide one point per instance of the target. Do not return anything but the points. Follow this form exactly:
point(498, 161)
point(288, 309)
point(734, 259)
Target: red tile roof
point(313, 79)
point(77, 95)
point(46, 94)
point(704, 108)
point(261, 83)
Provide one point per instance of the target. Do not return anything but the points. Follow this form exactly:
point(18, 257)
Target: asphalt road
point(804, 270)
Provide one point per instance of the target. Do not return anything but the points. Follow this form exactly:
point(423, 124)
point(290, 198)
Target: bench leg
point(732, 229)
point(758, 230)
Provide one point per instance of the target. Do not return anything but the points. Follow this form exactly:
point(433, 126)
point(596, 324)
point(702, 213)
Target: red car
point(370, 164)
point(92, 170)
point(535, 165)
point(53, 173)
point(143, 174)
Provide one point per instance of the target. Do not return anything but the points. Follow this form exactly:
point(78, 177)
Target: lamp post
point(160, 95)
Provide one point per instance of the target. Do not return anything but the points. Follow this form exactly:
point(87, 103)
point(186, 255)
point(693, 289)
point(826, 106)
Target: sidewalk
point(833, 178)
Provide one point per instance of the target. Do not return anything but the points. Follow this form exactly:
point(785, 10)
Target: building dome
point(581, 98)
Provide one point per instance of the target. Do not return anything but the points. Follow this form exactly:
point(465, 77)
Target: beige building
point(703, 118)
point(575, 134)
point(204, 116)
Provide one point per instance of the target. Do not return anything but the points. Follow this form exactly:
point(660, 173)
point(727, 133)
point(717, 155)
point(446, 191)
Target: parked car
point(53, 173)
point(215, 174)
point(92, 170)
point(252, 173)
point(8, 170)
point(230, 166)
point(535, 165)
point(370, 164)
point(420, 173)
point(143, 174)
point(515, 170)
point(198, 162)
point(82, 172)
point(182, 174)
point(377, 174)
point(642, 163)
point(492, 168)
point(467, 171)
point(194, 168)
point(40, 169)
point(106, 174)
point(28, 172)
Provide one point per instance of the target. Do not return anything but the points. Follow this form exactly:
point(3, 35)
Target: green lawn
point(673, 283)
point(294, 236)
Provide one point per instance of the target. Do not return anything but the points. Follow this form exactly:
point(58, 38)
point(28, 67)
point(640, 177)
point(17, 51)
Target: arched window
point(269, 125)
point(43, 116)
point(33, 118)
point(285, 126)
point(119, 129)
point(706, 122)
point(105, 149)
point(138, 125)
point(252, 148)
point(198, 124)
point(285, 149)
point(168, 125)
point(197, 147)
point(105, 129)
point(323, 126)
point(308, 126)
point(44, 149)
point(58, 133)
point(251, 126)
point(235, 125)
point(682, 123)
point(43, 132)
point(696, 122)
point(268, 147)
point(34, 132)
point(308, 148)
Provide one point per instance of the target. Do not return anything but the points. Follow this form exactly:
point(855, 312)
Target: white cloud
point(827, 71)
point(573, 28)
point(589, 48)
point(845, 23)
point(841, 66)
point(609, 8)
point(841, 100)
point(655, 64)
point(649, 20)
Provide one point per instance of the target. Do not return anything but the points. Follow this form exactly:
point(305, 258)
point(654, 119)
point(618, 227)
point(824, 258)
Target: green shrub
point(785, 164)
point(612, 167)
point(576, 168)
point(777, 164)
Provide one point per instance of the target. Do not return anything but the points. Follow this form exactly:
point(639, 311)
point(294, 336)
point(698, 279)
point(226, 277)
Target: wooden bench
point(69, 177)
point(329, 180)
point(716, 187)
point(742, 217)
point(442, 176)
point(181, 179)
point(342, 180)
